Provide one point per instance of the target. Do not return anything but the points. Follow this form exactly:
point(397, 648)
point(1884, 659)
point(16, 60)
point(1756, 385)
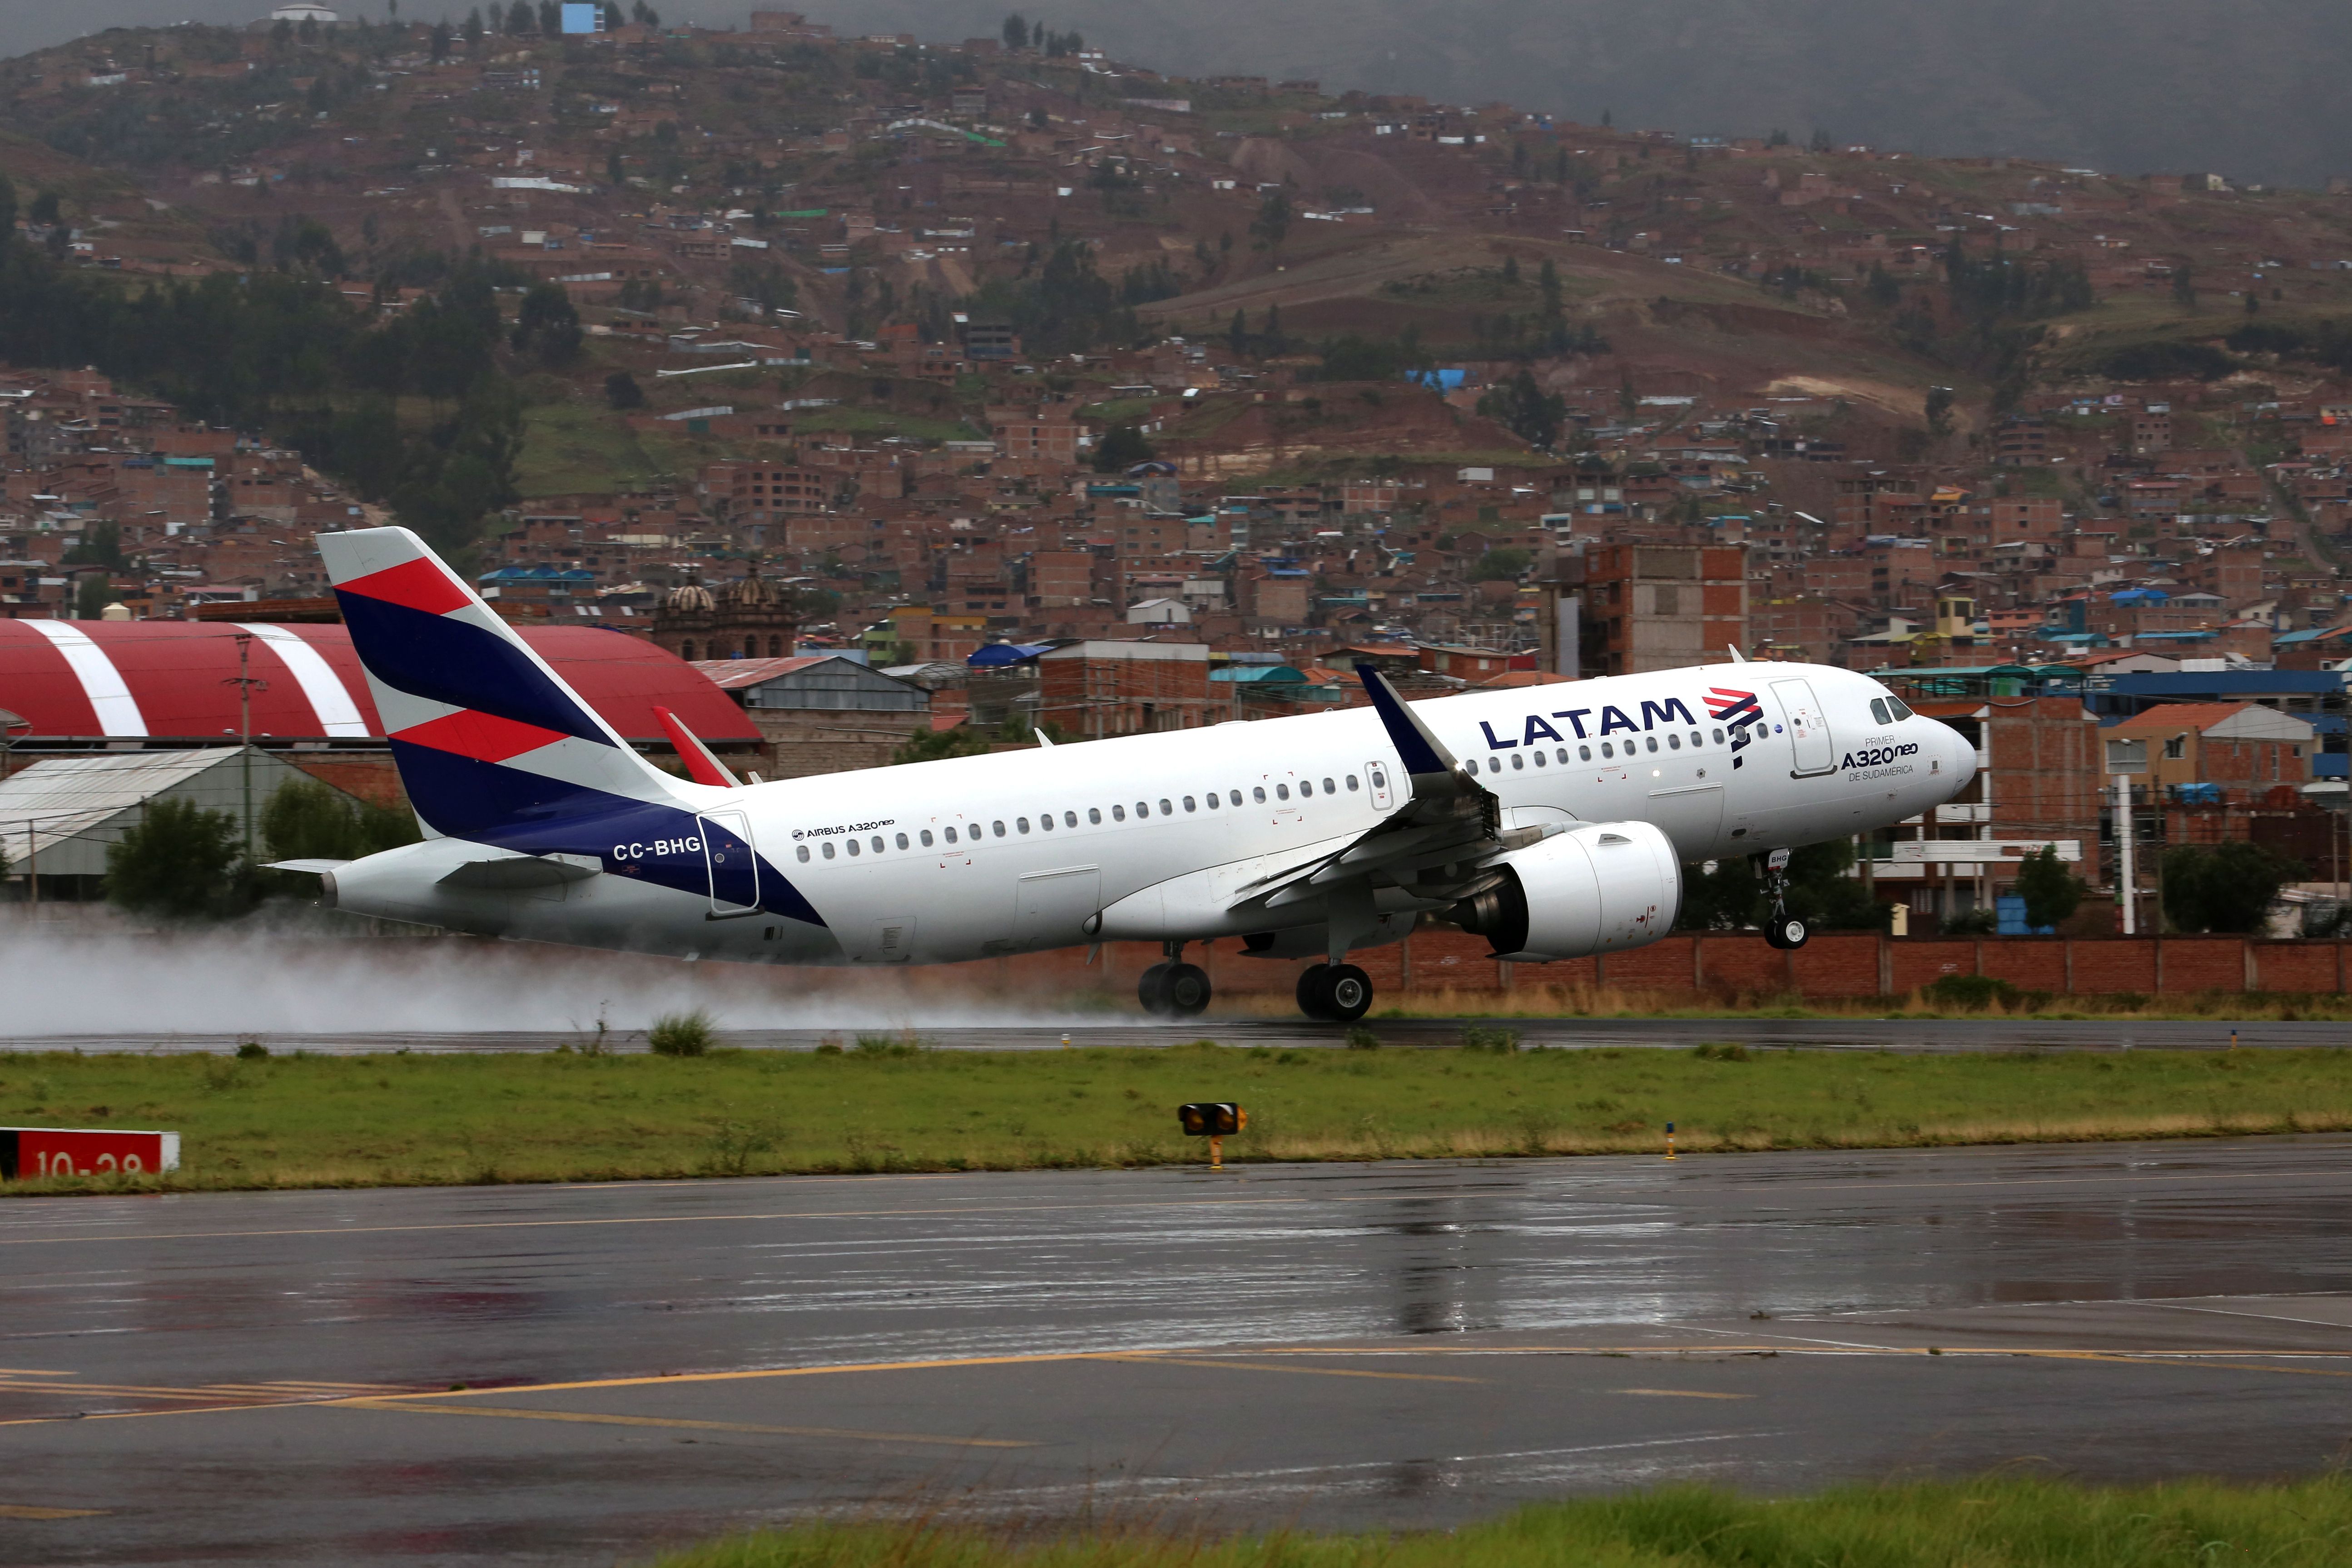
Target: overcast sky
point(36, 23)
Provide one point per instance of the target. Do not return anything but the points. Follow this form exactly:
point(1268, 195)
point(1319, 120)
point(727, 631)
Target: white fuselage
point(937, 862)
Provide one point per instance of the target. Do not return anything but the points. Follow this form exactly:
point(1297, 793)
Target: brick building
point(1650, 606)
point(1099, 689)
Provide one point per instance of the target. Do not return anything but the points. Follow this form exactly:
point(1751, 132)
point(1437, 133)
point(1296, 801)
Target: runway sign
point(83, 1151)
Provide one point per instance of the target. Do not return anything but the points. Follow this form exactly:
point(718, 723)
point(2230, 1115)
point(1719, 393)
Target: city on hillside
point(923, 397)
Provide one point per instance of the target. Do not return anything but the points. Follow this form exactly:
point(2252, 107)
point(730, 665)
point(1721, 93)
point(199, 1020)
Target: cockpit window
point(1897, 706)
point(1878, 714)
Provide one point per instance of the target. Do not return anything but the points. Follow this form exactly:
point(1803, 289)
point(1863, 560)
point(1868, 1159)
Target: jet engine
point(1600, 886)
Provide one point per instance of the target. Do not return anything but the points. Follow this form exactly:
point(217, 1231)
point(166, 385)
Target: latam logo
point(1734, 709)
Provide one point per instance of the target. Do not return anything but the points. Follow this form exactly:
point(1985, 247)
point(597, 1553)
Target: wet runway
point(278, 1377)
point(1909, 1035)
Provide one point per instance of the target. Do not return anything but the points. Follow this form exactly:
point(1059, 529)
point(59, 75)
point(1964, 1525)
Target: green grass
point(1997, 1522)
point(887, 1104)
point(572, 449)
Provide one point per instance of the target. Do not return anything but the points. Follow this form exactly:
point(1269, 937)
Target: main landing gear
point(1174, 989)
point(1335, 993)
point(1783, 929)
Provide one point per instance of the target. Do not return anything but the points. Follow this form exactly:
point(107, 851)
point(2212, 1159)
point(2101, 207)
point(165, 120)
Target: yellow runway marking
point(25, 1510)
point(28, 1372)
point(595, 1419)
point(1680, 1393)
point(1147, 1358)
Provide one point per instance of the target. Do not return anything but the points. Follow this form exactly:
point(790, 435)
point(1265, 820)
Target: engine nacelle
point(1601, 887)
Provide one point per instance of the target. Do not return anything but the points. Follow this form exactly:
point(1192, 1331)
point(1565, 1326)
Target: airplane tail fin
point(490, 742)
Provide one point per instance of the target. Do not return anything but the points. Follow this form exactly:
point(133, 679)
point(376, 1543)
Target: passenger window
point(1306, 787)
point(852, 848)
point(1351, 783)
point(1652, 741)
point(1188, 805)
point(1237, 796)
point(1493, 764)
point(1000, 831)
point(1605, 751)
point(925, 836)
point(1519, 762)
point(1718, 737)
point(1695, 740)
point(878, 843)
point(1584, 753)
point(1380, 779)
point(1119, 814)
point(951, 833)
point(1069, 819)
point(1328, 789)
point(1142, 809)
point(1166, 809)
point(828, 849)
point(902, 841)
point(1563, 756)
point(1021, 823)
point(1282, 792)
point(1094, 814)
point(804, 853)
point(1046, 820)
point(1878, 714)
point(1539, 759)
point(1258, 791)
point(1674, 742)
point(1214, 801)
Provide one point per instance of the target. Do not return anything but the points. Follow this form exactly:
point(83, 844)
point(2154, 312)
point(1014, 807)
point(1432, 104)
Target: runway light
point(1212, 1119)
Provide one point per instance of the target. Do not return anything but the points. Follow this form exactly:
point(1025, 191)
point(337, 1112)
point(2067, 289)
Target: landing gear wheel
point(1348, 994)
point(1314, 992)
point(1785, 931)
point(1186, 988)
point(1152, 990)
point(1335, 993)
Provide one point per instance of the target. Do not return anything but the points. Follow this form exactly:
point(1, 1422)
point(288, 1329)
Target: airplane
point(1553, 820)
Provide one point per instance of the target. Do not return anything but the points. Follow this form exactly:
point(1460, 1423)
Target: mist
point(293, 991)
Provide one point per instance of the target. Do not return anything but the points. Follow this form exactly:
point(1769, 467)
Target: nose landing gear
point(1783, 929)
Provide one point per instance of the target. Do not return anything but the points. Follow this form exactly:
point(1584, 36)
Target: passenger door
point(1809, 728)
point(733, 862)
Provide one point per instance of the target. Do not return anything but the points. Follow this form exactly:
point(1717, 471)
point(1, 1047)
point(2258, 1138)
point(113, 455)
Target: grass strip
point(2006, 1521)
point(891, 1105)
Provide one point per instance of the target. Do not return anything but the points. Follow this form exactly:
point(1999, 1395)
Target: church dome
point(691, 599)
point(753, 593)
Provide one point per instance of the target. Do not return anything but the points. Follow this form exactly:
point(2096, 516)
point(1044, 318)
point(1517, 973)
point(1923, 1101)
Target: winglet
point(1421, 753)
point(701, 763)
point(1736, 657)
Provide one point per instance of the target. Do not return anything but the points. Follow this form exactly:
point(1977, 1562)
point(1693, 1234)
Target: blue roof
point(540, 573)
point(1255, 673)
point(2227, 683)
point(998, 654)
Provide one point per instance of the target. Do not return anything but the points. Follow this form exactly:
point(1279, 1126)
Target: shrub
point(1501, 1042)
point(1722, 1051)
point(1970, 990)
point(1359, 1038)
point(891, 1045)
point(682, 1034)
point(175, 863)
point(251, 1050)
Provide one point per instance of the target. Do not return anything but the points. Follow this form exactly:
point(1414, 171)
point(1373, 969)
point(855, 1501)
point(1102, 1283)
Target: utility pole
point(245, 686)
point(2125, 873)
point(9, 724)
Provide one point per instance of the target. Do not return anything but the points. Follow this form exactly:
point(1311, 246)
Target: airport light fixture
point(1212, 1119)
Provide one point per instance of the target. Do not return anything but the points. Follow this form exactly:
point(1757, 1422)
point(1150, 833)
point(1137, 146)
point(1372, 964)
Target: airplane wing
point(1437, 843)
point(315, 866)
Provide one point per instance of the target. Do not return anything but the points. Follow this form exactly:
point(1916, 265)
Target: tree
point(1015, 31)
point(2228, 887)
point(7, 211)
point(442, 39)
point(1122, 447)
point(1530, 413)
point(1939, 411)
point(93, 594)
point(1271, 225)
point(1237, 334)
point(175, 862)
point(43, 212)
point(548, 323)
point(307, 820)
point(2184, 287)
point(622, 391)
point(1501, 565)
point(2052, 893)
point(520, 20)
point(550, 18)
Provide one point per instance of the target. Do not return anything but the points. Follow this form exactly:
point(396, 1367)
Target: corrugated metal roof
point(60, 798)
point(175, 680)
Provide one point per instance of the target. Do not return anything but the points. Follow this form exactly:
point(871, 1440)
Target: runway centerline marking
point(596, 1418)
point(26, 1510)
point(1680, 1393)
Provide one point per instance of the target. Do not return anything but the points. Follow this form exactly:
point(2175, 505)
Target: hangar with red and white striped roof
point(175, 683)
